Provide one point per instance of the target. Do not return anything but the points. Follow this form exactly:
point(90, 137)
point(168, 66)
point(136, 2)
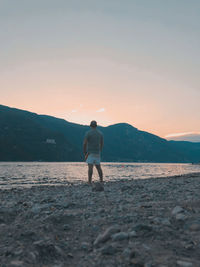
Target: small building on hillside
point(51, 141)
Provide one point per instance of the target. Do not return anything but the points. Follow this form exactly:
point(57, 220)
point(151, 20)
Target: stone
point(132, 234)
point(29, 235)
point(194, 227)
point(136, 262)
point(101, 210)
point(46, 251)
point(180, 217)
point(58, 265)
point(125, 188)
point(177, 210)
point(32, 256)
point(98, 187)
point(184, 263)
point(120, 236)
point(148, 264)
point(126, 253)
point(102, 238)
point(66, 227)
point(163, 221)
point(108, 250)
point(36, 209)
point(85, 246)
point(18, 252)
point(127, 219)
point(142, 227)
point(146, 247)
point(17, 263)
point(60, 218)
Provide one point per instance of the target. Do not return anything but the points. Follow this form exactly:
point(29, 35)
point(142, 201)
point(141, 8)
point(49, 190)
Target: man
point(92, 147)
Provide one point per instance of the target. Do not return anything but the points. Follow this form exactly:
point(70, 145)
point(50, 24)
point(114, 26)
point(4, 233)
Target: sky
point(134, 61)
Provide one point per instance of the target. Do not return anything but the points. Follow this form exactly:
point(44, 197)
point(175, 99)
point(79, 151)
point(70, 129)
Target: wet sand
point(152, 222)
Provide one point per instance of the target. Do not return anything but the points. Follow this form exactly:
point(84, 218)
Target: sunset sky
point(134, 61)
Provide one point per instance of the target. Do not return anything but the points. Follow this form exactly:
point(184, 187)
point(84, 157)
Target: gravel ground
point(141, 223)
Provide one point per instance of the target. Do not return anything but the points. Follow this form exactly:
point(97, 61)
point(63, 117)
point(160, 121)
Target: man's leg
point(90, 172)
point(100, 172)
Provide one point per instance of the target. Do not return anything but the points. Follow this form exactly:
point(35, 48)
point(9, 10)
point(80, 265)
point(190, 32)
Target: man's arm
point(85, 146)
point(101, 143)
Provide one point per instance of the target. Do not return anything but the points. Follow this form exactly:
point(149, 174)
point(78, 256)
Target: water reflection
point(44, 173)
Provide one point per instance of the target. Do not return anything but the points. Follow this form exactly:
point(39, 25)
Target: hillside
point(27, 136)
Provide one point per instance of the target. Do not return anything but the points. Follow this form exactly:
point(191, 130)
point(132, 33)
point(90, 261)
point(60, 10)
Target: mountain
point(23, 137)
point(27, 136)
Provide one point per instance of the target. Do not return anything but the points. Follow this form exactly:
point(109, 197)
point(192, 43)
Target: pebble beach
point(140, 223)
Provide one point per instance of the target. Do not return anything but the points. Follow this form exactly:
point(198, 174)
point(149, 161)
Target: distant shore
point(144, 222)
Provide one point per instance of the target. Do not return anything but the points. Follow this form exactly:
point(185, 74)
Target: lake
point(25, 174)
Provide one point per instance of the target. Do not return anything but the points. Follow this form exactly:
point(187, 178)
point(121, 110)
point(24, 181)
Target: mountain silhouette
point(27, 136)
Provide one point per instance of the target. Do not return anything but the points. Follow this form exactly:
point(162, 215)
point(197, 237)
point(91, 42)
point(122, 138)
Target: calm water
point(43, 173)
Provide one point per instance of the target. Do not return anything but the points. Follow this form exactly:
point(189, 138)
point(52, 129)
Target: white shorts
point(93, 159)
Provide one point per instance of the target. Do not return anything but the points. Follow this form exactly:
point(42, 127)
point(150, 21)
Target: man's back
point(94, 141)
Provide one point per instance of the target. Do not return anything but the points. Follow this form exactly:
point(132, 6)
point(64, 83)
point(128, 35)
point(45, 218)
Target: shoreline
point(82, 182)
point(142, 222)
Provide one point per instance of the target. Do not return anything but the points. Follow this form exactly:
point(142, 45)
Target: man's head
point(93, 124)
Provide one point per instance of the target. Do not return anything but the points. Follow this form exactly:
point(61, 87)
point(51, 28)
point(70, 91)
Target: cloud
point(182, 134)
point(101, 110)
point(74, 110)
point(187, 136)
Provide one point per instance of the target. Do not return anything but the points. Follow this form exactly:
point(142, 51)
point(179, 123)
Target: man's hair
point(93, 124)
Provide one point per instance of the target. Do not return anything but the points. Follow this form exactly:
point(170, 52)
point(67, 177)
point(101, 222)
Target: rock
point(58, 265)
point(59, 250)
point(108, 250)
point(101, 210)
point(132, 234)
point(180, 217)
point(129, 253)
point(177, 210)
point(127, 219)
point(30, 235)
point(36, 209)
point(184, 263)
point(98, 187)
point(125, 188)
point(142, 227)
point(85, 246)
point(106, 235)
point(67, 205)
point(163, 221)
point(194, 226)
point(17, 263)
point(146, 247)
point(47, 252)
point(120, 236)
point(60, 218)
point(126, 253)
point(32, 256)
point(66, 227)
point(18, 252)
point(136, 262)
point(148, 264)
